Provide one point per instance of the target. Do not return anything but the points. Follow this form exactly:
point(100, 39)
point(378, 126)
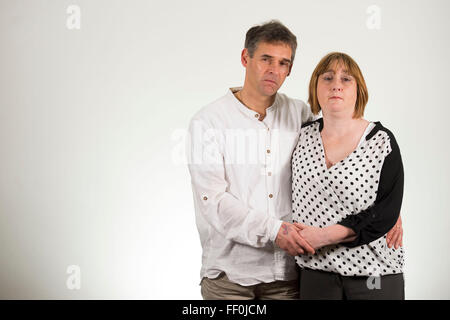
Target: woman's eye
point(327, 78)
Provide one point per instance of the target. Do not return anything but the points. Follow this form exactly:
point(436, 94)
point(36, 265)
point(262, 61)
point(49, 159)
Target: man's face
point(266, 71)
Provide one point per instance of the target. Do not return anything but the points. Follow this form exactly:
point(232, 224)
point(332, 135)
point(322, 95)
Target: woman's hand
point(321, 237)
point(316, 237)
point(290, 240)
point(395, 235)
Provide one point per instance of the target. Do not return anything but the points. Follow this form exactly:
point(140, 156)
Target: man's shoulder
point(213, 109)
point(285, 100)
point(297, 108)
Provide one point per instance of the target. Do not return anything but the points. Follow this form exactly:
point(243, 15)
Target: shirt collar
point(249, 112)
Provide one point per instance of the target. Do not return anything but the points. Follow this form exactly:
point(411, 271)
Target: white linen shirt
point(241, 180)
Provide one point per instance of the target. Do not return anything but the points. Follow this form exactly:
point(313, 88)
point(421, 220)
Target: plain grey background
point(92, 122)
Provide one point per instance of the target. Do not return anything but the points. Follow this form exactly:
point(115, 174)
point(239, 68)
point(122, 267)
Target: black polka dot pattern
point(322, 197)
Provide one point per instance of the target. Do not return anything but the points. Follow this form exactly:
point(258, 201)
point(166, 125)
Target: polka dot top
point(363, 192)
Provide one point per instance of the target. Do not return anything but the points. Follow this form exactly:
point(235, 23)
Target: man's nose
point(274, 68)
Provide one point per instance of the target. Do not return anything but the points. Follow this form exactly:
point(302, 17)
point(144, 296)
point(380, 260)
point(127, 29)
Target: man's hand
point(289, 240)
point(395, 235)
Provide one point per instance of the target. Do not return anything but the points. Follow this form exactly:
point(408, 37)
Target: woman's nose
point(337, 86)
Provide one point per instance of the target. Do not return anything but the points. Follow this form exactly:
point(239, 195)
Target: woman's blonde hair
point(352, 68)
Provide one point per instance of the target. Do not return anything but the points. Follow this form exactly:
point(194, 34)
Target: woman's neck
point(339, 126)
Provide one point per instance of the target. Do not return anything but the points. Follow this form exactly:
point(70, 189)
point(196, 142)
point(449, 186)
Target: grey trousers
point(221, 288)
point(322, 285)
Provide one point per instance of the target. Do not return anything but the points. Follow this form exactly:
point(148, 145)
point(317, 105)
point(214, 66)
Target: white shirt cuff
point(276, 227)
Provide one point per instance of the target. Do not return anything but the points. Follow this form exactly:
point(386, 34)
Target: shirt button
point(205, 198)
point(256, 115)
point(270, 195)
point(269, 173)
point(268, 150)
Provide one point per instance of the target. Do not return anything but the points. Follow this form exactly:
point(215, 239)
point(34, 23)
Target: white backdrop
point(92, 120)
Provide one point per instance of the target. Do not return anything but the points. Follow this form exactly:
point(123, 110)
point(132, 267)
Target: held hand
point(289, 240)
point(395, 235)
point(316, 237)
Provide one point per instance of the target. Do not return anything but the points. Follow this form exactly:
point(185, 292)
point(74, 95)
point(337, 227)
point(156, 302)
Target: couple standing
point(272, 181)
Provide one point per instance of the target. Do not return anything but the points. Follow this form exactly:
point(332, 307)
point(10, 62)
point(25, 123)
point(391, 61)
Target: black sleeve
point(376, 221)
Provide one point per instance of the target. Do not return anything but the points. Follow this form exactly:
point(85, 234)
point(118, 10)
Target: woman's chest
point(337, 149)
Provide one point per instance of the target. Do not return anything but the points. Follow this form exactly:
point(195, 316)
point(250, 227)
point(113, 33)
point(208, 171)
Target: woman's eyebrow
point(332, 71)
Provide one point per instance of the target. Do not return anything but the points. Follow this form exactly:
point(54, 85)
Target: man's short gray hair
point(270, 32)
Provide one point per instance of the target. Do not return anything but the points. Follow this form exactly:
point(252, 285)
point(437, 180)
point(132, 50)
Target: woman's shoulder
point(381, 132)
point(313, 124)
point(377, 129)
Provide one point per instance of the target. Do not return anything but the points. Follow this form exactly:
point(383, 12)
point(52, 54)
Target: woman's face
point(336, 91)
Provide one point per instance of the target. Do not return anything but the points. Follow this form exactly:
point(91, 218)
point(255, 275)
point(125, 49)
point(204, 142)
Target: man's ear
point(244, 57)
point(290, 68)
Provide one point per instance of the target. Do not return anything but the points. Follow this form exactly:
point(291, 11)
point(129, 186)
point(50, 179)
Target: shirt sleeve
point(376, 221)
point(222, 210)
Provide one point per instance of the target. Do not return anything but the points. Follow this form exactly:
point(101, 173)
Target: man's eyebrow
point(271, 57)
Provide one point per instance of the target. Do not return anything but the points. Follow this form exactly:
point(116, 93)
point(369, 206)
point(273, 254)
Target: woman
point(347, 191)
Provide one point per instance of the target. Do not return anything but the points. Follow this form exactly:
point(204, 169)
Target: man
point(239, 160)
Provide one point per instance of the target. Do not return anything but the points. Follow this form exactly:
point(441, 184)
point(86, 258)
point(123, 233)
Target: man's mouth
point(270, 81)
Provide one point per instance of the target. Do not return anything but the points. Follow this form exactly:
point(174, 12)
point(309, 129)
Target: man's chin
point(269, 91)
